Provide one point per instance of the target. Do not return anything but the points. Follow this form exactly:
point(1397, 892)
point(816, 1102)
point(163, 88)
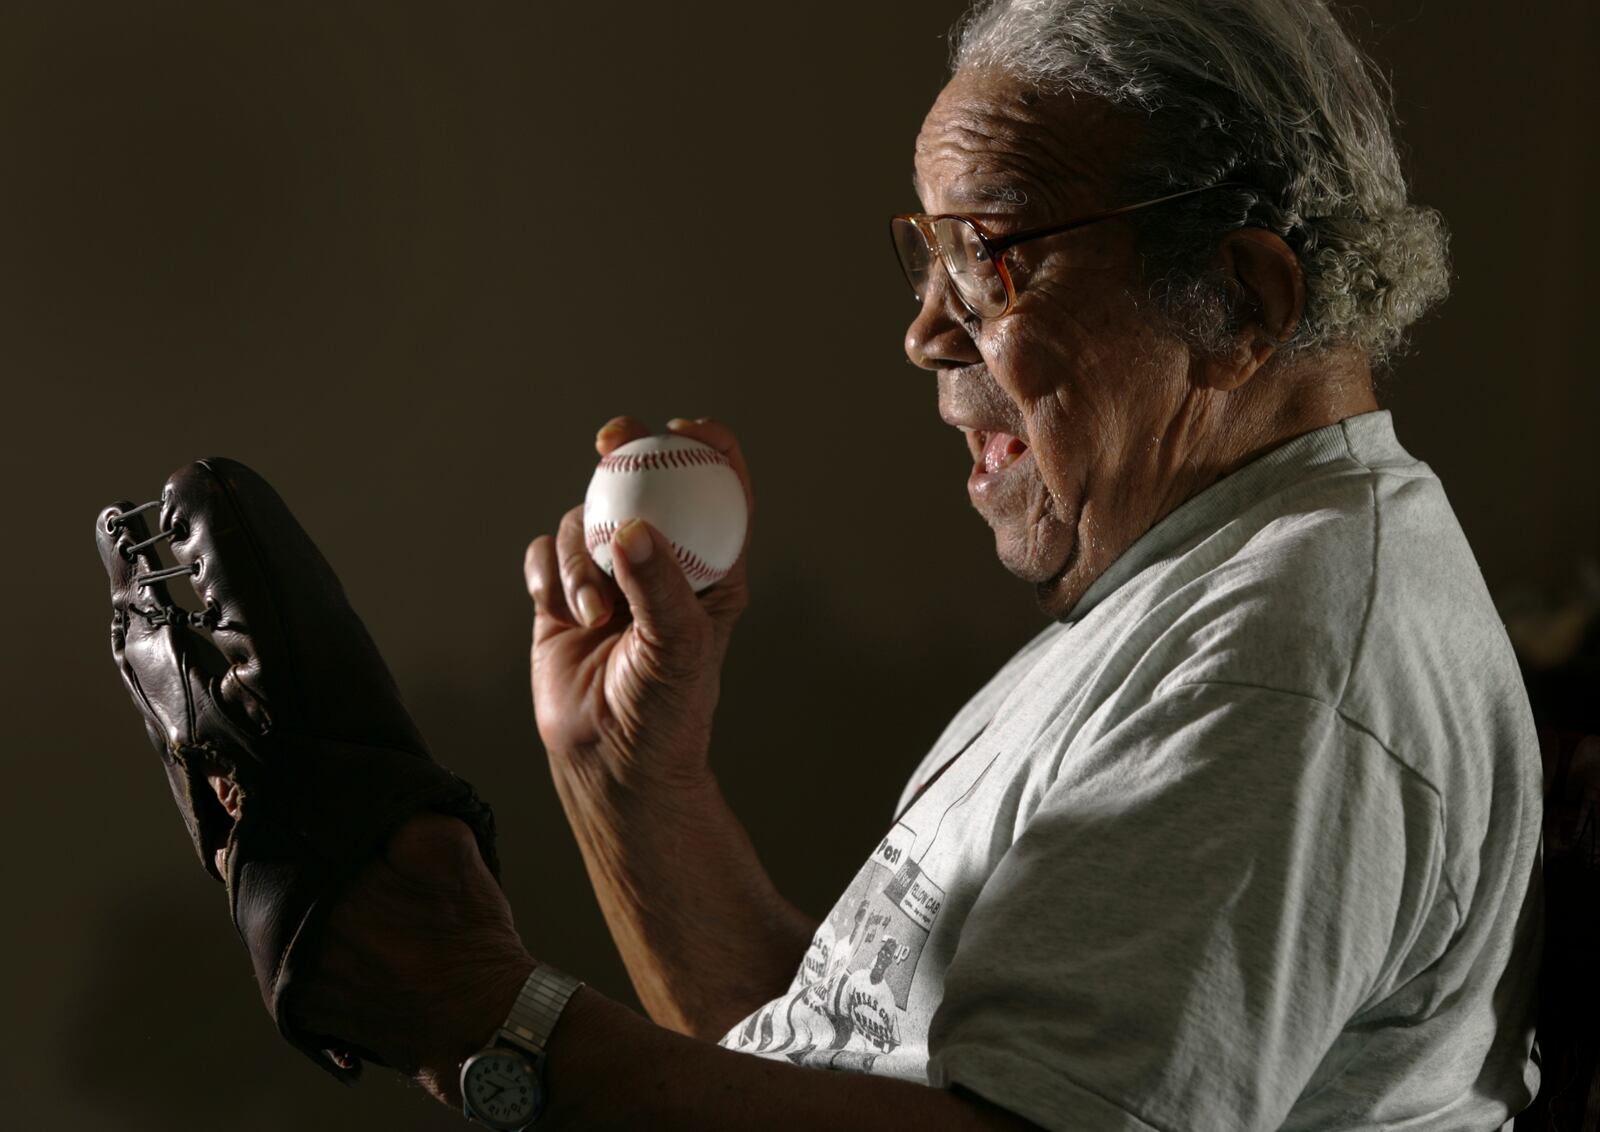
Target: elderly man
point(1246, 838)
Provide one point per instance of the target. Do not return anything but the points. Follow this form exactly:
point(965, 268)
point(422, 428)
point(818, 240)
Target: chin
point(1038, 538)
point(1036, 545)
point(1051, 568)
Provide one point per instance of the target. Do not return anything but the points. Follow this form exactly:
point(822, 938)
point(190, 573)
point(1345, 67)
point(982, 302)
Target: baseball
point(685, 489)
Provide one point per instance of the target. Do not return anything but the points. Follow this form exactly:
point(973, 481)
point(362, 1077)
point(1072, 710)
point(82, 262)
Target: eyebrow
point(997, 194)
point(985, 192)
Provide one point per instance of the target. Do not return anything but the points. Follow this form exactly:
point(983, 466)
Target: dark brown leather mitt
point(276, 683)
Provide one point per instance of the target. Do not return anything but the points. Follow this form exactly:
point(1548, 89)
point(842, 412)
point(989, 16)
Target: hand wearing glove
point(294, 764)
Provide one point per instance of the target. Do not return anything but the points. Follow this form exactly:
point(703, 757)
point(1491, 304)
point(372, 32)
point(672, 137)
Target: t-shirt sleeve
point(1202, 899)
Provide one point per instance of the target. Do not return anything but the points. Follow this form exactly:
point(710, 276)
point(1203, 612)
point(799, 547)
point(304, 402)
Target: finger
point(708, 430)
point(667, 615)
point(589, 593)
point(543, 578)
point(226, 792)
point(619, 431)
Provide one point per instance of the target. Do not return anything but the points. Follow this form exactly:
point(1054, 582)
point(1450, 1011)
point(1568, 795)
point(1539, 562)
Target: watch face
point(501, 1089)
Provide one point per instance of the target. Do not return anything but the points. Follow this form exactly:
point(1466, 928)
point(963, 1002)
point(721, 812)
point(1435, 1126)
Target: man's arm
point(609, 1068)
point(626, 675)
point(419, 964)
point(705, 935)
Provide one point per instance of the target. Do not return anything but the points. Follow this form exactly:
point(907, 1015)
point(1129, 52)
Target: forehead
point(990, 138)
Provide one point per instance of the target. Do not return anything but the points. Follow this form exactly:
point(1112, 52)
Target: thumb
point(666, 614)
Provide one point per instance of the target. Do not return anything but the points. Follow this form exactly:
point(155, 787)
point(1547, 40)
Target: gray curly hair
point(1267, 92)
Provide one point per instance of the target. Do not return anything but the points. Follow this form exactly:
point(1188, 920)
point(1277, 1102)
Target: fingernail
point(677, 423)
point(590, 608)
point(635, 541)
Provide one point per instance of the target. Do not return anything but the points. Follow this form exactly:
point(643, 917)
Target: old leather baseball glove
point(275, 685)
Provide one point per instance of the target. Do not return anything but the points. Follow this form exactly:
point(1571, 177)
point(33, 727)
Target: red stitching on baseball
point(677, 458)
point(695, 567)
point(599, 534)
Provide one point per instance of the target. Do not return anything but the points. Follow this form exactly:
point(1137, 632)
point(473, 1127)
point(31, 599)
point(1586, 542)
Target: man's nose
point(940, 337)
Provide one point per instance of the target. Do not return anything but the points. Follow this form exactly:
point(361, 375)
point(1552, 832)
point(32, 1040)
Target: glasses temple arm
point(1000, 243)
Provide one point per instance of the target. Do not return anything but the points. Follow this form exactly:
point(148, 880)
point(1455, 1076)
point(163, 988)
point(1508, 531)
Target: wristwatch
point(502, 1086)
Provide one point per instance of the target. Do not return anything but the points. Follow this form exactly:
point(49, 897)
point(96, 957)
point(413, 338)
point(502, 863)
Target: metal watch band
point(538, 1007)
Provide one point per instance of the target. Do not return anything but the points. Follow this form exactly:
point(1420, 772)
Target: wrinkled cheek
point(1057, 451)
point(1060, 493)
point(1054, 529)
point(1026, 369)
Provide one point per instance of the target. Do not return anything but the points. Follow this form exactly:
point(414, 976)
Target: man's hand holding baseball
point(626, 672)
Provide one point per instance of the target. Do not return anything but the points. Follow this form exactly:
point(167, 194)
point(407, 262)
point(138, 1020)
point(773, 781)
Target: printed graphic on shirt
point(847, 1003)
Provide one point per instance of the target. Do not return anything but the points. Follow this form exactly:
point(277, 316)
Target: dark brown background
point(404, 258)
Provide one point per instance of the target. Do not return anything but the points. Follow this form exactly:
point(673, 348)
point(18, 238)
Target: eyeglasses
point(973, 256)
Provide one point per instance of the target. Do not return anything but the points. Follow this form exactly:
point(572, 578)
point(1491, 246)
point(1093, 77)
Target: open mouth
point(995, 451)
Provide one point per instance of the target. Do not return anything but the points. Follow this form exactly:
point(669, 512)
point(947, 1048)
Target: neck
point(1209, 435)
point(1291, 397)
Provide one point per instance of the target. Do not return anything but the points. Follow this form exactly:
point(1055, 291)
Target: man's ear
point(1268, 291)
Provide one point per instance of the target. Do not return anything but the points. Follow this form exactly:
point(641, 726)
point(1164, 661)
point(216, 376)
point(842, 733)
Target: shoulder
point(1315, 585)
point(1358, 590)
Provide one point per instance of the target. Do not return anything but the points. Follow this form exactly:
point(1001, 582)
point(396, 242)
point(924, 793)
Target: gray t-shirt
point(1249, 841)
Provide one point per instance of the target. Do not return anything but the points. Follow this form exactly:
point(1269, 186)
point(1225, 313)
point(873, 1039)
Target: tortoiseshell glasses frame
point(973, 256)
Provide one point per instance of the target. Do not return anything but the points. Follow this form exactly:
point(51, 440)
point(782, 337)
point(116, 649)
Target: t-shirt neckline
point(1367, 438)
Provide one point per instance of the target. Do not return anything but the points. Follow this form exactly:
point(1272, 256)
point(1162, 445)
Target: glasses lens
point(913, 252)
point(973, 274)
